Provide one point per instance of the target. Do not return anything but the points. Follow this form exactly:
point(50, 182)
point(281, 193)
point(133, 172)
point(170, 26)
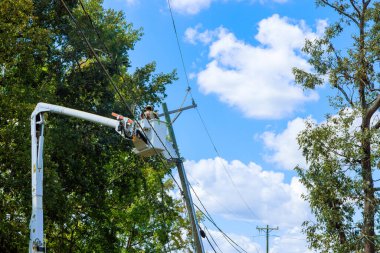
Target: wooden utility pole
point(267, 231)
point(184, 183)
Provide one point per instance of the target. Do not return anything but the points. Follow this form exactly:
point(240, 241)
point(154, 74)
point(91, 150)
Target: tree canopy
point(343, 152)
point(98, 195)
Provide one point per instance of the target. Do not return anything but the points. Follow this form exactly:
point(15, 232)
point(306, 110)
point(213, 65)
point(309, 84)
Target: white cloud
point(192, 35)
point(257, 80)
point(292, 241)
point(283, 146)
point(272, 200)
point(192, 7)
point(283, 149)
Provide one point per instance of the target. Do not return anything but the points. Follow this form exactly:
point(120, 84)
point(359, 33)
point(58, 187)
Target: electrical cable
point(107, 73)
point(179, 110)
point(212, 238)
point(227, 210)
point(203, 123)
point(207, 215)
point(224, 166)
point(113, 84)
point(210, 244)
point(93, 26)
point(199, 115)
point(110, 78)
point(178, 44)
point(229, 240)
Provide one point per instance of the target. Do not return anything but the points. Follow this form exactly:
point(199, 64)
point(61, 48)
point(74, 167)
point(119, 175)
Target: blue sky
point(238, 55)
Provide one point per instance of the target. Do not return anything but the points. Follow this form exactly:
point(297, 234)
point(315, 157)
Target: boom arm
point(123, 126)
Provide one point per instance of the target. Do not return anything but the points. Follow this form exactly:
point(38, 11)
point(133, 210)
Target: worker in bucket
point(149, 113)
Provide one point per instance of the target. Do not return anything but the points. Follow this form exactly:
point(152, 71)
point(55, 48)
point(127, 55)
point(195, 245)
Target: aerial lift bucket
point(151, 138)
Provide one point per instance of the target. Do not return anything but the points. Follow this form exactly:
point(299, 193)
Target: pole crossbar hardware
point(124, 126)
point(268, 230)
point(185, 186)
point(180, 110)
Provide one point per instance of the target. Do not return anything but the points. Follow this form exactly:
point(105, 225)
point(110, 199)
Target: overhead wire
point(94, 28)
point(178, 44)
point(227, 210)
point(224, 166)
point(200, 116)
point(110, 78)
point(114, 85)
point(212, 238)
point(181, 106)
point(209, 217)
point(203, 122)
point(209, 241)
point(229, 240)
point(122, 98)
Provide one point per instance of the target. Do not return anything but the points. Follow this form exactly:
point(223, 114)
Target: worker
point(149, 113)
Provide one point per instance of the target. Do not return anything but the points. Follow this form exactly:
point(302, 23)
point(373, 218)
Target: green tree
point(98, 196)
point(343, 153)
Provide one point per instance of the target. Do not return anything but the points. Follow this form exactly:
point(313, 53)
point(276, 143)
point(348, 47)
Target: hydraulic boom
point(151, 144)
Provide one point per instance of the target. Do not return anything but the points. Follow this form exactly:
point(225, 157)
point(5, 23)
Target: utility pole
point(267, 231)
point(185, 186)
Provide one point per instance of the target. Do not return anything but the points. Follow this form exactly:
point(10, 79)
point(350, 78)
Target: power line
point(112, 82)
point(209, 241)
point(93, 26)
point(179, 45)
point(223, 165)
point(110, 78)
point(229, 240)
point(212, 238)
point(208, 216)
point(199, 114)
point(209, 194)
point(129, 110)
point(203, 123)
point(121, 97)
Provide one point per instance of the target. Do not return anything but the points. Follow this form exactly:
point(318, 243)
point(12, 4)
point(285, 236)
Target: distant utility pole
point(268, 230)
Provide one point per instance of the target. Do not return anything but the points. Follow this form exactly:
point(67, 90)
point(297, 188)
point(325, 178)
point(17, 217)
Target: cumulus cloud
point(265, 192)
point(192, 7)
point(283, 147)
point(193, 34)
point(272, 200)
point(292, 241)
point(257, 79)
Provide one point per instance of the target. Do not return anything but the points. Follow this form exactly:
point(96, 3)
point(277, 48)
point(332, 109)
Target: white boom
point(124, 126)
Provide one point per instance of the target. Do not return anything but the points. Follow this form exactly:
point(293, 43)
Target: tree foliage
point(343, 153)
point(98, 196)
